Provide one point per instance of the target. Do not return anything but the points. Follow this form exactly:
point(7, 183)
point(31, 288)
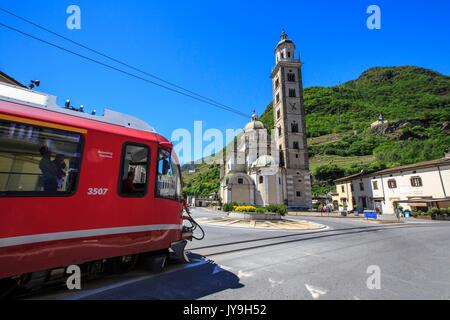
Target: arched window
point(291, 77)
point(292, 93)
point(294, 127)
point(281, 156)
point(261, 179)
point(277, 83)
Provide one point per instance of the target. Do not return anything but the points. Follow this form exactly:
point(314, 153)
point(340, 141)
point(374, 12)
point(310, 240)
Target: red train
point(81, 189)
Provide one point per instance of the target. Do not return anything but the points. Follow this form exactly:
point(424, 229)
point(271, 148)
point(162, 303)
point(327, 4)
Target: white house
point(419, 186)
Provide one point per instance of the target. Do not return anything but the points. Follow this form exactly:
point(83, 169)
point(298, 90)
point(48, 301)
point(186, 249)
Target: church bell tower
point(290, 128)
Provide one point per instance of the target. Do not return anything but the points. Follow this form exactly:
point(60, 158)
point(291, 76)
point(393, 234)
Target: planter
point(424, 217)
point(441, 217)
point(251, 216)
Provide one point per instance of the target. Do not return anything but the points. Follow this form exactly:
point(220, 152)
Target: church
point(259, 169)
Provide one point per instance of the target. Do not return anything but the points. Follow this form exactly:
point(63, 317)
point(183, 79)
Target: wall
point(431, 186)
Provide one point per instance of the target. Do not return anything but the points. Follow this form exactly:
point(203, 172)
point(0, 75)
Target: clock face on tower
point(293, 106)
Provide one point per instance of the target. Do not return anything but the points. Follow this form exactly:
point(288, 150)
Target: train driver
point(128, 184)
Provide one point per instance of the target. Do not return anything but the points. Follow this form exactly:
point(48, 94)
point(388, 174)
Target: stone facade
point(262, 170)
point(290, 128)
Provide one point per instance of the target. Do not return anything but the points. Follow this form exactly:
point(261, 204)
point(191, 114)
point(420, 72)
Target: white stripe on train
point(36, 238)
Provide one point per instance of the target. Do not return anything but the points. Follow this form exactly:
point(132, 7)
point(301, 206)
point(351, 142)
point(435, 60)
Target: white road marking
point(316, 292)
point(226, 268)
point(242, 274)
point(273, 283)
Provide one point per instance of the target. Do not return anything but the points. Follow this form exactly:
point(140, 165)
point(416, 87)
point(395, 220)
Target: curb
point(318, 226)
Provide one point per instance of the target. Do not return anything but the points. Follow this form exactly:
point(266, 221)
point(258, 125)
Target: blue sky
point(221, 49)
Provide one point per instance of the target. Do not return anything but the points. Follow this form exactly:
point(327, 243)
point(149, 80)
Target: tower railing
point(289, 60)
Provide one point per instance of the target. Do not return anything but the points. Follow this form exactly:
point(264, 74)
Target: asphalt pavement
point(351, 259)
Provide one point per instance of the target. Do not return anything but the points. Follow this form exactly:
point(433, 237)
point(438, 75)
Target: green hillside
point(415, 102)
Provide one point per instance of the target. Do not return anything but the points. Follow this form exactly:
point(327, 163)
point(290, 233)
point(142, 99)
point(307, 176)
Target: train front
point(170, 178)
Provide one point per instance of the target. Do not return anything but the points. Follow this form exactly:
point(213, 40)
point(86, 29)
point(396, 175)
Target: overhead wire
point(178, 90)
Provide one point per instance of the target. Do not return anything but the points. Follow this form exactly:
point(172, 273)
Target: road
point(412, 260)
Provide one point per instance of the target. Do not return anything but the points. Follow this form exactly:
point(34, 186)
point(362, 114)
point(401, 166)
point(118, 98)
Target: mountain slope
point(415, 102)
point(396, 92)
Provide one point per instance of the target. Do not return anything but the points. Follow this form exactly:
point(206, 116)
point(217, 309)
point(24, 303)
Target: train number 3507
point(97, 191)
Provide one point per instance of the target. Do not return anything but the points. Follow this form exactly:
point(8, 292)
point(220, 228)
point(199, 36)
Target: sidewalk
point(391, 218)
point(338, 215)
point(323, 214)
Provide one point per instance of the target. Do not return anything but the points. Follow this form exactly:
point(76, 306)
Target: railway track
point(253, 244)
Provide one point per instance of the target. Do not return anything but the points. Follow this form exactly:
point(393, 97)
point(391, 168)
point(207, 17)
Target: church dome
point(255, 124)
point(284, 40)
point(263, 162)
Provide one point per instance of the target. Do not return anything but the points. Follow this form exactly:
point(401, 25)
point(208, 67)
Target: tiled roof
point(409, 167)
point(415, 166)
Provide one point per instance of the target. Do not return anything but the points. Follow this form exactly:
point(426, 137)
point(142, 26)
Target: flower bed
point(244, 212)
point(280, 209)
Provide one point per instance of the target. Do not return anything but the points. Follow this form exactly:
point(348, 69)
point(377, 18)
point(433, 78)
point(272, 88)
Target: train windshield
point(168, 183)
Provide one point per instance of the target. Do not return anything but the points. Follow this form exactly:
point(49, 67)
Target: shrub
point(443, 211)
point(435, 211)
point(277, 208)
point(261, 210)
point(244, 209)
point(227, 207)
point(328, 172)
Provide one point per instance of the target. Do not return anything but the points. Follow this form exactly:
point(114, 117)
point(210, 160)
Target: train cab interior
point(135, 168)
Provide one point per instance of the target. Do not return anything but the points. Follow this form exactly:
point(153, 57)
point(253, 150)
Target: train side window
point(38, 161)
point(168, 177)
point(134, 173)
